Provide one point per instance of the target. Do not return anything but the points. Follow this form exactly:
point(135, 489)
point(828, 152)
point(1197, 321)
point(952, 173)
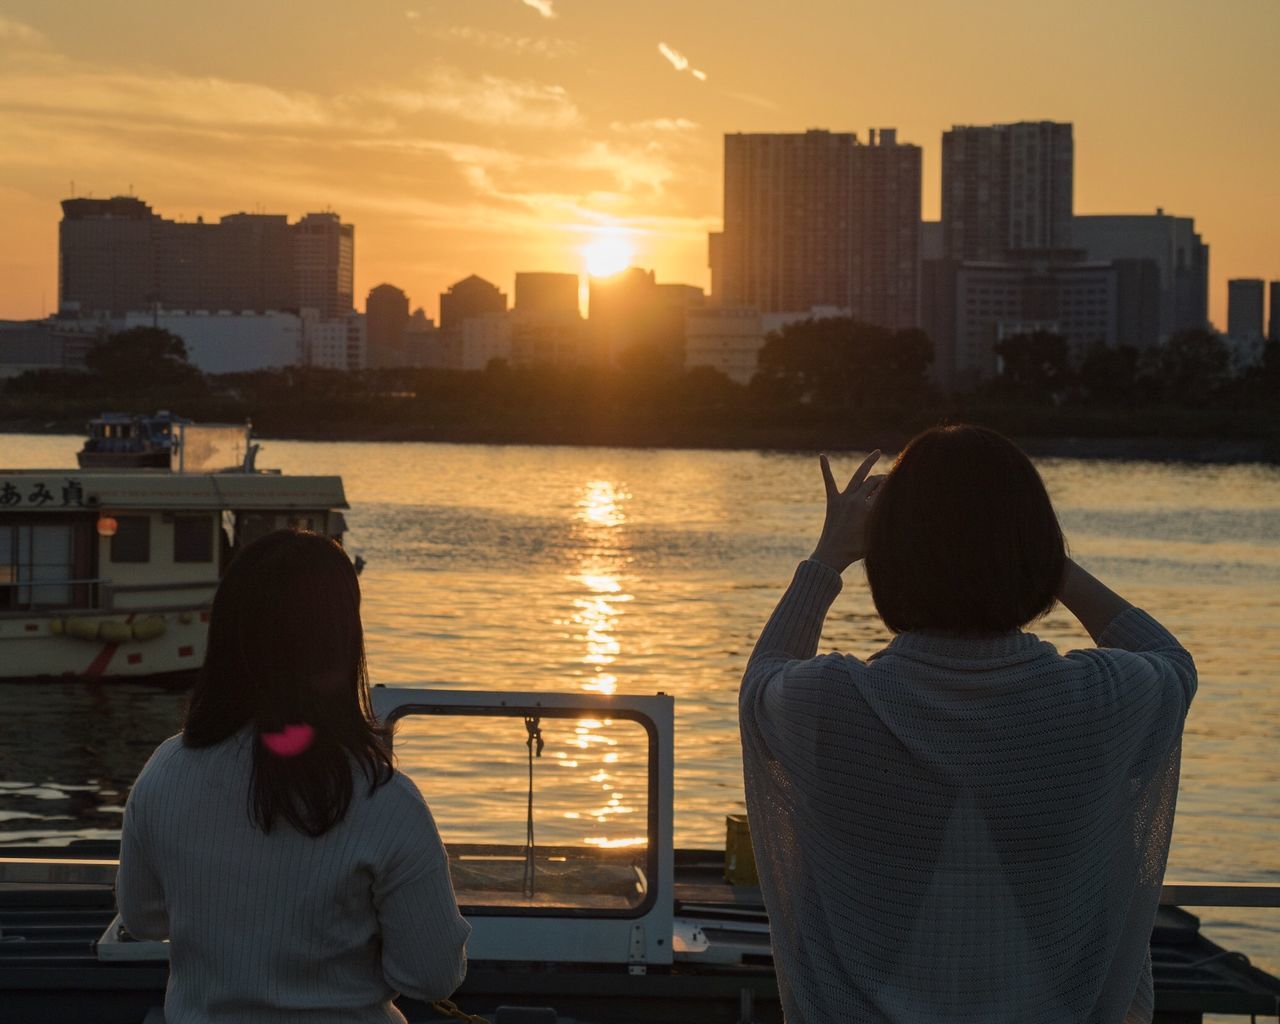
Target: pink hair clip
point(290, 741)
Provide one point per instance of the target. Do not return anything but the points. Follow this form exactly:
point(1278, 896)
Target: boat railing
point(101, 871)
point(102, 600)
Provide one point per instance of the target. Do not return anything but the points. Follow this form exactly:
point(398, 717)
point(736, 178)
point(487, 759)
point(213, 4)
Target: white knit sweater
point(961, 829)
point(269, 928)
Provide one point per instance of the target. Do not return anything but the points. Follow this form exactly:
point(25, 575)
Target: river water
point(635, 571)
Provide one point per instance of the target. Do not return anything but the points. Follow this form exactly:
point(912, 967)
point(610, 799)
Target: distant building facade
point(972, 305)
point(44, 345)
point(1244, 308)
point(473, 296)
point(1175, 247)
point(231, 342)
point(540, 292)
point(117, 256)
point(820, 218)
point(630, 313)
point(386, 310)
point(1273, 325)
point(1007, 189)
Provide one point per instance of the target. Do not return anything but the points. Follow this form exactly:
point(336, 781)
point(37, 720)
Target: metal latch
point(635, 964)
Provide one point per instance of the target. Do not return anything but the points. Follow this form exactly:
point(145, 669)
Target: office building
point(1007, 189)
point(1175, 247)
point(117, 256)
point(820, 218)
point(1244, 308)
point(471, 297)
point(970, 306)
point(386, 311)
point(44, 345)
point(631, 314)
point(324, 264)
point(546, 293)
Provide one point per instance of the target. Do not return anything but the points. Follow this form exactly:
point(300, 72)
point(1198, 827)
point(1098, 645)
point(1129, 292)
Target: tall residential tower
point(820, 219)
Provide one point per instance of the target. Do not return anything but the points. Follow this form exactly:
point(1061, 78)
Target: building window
point(192, 538)
point(132, 540)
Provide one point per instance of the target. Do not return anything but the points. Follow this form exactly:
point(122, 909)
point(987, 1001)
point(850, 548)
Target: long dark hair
point(962, 536)
point(286, 649)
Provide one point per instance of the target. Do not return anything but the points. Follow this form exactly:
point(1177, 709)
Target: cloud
point(19, 33)
point(680, 62)
point(500, 42)
point(489, 100)
point(656, 124)
point(543, 7)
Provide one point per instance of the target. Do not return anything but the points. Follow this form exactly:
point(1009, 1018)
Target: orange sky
point(490, 136)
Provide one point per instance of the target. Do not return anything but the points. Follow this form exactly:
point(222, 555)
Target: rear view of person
point(298, 875)
point(966, 826)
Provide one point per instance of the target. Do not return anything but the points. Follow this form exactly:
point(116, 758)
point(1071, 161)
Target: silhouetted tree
point(143, 359)
point(1192, 367)
point(1108, 376)
point(839, 361)
point(1036, 366)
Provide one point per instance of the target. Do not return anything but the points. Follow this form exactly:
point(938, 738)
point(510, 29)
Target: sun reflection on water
point(600, 519)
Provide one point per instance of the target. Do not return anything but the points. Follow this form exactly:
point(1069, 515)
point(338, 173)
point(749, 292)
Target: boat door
point(556, 811)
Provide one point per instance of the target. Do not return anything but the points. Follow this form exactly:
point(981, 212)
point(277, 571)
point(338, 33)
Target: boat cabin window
point(43, 565)
point(568, 832)
point(132, 540)
point(193, 538)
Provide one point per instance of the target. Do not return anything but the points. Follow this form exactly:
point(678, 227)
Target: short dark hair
point(962, 536)
point(286, 647)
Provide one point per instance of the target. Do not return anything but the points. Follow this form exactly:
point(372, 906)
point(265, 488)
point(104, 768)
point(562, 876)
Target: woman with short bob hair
point(966, 825)
point(298, 875)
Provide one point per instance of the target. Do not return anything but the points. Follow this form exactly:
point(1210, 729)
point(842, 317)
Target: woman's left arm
point(139, 893)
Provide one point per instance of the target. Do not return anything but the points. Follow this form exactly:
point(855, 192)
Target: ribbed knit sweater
point(961, 829)
point(268, 928)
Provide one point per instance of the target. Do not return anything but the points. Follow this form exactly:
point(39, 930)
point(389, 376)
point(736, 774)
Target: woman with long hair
point(298, 875)
point(966, 825)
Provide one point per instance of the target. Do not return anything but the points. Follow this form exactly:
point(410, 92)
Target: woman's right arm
point(1091, 601)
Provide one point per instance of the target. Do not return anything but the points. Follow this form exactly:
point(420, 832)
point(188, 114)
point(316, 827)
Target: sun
point(608, 255)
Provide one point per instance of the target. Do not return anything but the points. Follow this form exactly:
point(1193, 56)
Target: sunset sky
point(490, 136)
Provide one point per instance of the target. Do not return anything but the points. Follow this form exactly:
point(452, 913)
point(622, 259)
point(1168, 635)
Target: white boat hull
point(39, 646)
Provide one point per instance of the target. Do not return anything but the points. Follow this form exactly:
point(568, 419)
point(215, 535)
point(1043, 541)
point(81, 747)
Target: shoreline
point(1198, 450)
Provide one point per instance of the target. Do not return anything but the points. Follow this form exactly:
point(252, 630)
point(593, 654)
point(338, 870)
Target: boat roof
point(78, 490)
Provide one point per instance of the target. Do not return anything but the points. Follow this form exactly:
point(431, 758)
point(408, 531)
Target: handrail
point(1220, 894)
point(52, 583)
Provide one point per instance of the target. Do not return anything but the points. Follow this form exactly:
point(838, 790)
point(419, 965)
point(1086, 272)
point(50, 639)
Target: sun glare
point(607, 255)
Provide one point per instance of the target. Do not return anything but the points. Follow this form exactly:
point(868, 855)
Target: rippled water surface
point(608, 570)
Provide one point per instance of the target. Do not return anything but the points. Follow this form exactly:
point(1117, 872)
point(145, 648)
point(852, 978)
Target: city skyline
point(491, 139)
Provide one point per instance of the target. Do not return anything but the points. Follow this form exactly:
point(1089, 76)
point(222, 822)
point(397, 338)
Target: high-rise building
point(118, 256)
point(820, 219)
point(324, 264)
point(546, 293)
point(630, 313)
point(1006, 189)
point(106, 256)
point(387, 317)
point(1244, 308)
point(1172, 244)
point(1273, 324)
point(473, 296)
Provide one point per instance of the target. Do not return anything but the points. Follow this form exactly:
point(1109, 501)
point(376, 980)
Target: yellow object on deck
point(739, 857)
point(115, 632)
point(82, 629)
point(149, 628)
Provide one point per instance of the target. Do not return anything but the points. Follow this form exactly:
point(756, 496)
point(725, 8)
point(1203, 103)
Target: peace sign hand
point(843, 539)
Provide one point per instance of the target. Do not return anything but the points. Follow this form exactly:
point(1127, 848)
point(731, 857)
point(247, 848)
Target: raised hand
point(843, 539)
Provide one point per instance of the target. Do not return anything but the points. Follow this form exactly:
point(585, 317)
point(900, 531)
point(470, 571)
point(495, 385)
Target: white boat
point(109, 572)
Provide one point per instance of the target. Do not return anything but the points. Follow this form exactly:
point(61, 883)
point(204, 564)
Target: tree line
point(833, 377)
